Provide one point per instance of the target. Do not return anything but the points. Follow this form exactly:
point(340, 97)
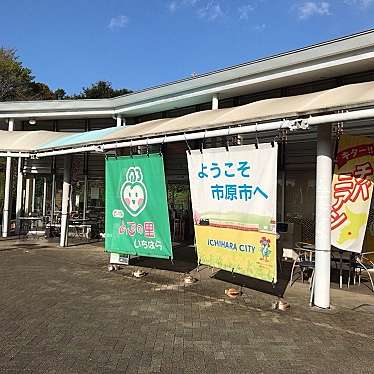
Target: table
point(53, 230)
point(31, 223)
point(81, 227)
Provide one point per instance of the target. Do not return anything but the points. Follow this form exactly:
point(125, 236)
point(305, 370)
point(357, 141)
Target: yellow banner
point(248, 252)
point(352, 189)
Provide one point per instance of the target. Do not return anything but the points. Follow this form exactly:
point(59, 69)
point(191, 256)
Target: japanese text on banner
point(233, 197)
point(352, 190)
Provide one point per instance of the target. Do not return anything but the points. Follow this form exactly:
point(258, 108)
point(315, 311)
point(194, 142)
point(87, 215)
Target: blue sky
point(141, 43)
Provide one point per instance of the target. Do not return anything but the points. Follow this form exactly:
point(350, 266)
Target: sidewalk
point(61, 311)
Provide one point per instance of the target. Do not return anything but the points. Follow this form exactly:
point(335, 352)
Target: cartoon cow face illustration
point(134, 192)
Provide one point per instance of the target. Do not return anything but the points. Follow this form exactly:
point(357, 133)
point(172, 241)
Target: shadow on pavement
point(185, 260)
point(277, 289)
point(24, 246)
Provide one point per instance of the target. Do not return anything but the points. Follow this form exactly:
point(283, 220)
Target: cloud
point(118, 22)
point(260, 27)
point(313, 8)
point(211, 11)
point(208, 9)
point(175, 4)
point(245, 10)
point(363, 4)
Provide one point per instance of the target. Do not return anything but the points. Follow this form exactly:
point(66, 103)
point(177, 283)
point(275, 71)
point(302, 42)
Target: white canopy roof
point(346, 97)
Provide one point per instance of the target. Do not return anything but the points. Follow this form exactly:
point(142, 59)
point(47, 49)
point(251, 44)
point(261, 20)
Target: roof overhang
point(345, 103)
point(352, 54)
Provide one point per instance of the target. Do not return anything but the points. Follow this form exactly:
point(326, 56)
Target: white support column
point(119, 121)
point(283, 196)
point(323, 223)
point(283, 177)
point(33, 195)
point(7, 187)
point(53, 197)
point(65, 201)
point(27, 196)
point(44, 211)
point(215, 102)
point(53, 189)
point(85, 196)
point(19, 195)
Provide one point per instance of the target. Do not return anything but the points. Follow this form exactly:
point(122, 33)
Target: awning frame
point(290, 124)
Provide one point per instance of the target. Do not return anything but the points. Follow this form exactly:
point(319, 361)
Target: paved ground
point(61, 311)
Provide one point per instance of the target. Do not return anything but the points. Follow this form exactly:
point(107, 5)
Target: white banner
point(233, 197)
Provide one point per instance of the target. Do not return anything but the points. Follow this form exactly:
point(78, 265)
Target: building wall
point(299, 161)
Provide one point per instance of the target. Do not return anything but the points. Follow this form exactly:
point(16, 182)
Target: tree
point(15, 79)
point(60, 94)
point(40, 91)
point(100, 90)
point(18, 83)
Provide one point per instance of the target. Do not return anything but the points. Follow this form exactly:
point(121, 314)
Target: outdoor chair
point(343, 262)
point(362, 264)
point(304, 261)
point(178, 229)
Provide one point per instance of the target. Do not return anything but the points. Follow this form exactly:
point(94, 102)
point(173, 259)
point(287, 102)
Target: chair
point(343, 262)
point(178, 229)
point(361, 262)
point(304, 259)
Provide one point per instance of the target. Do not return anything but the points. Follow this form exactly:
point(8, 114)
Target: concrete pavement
point(61, 311)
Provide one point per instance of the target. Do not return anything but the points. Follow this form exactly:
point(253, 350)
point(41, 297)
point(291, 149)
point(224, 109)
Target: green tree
point(40, 91)
point(18, 83)
point(15, 79)
point(60, 94)
point(100, 90)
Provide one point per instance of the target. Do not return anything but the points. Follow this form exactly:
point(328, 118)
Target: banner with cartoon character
point(233, 197)
point(136, 213)
point(352, 189)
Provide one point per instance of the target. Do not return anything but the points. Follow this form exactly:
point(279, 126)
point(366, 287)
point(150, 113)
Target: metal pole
point(7, 187)
point(19, 195)
point(44, 196)
point(65, 201)
point(27, 196)
point(323, 223)
point(278, 125)
point(85, 173)
point(53, 190)
point(119, 121)
point(85, 196)
point(283, 181)
point(33, 195)
point(53, 173)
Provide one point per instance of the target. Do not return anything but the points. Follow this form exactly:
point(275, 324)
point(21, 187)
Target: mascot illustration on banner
point(265, 248)
point(134, 192)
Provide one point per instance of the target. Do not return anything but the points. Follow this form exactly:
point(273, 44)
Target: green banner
point(136, 212)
